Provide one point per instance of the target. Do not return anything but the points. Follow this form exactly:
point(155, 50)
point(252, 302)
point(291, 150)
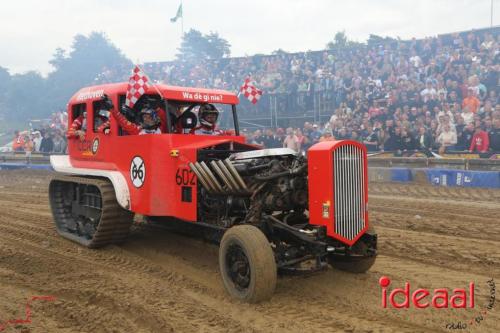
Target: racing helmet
point(204, 111)
point(154, 124)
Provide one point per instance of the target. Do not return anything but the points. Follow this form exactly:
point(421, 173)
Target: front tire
point(247, 264)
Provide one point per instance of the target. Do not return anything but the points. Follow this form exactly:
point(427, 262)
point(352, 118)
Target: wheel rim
point(238, 267)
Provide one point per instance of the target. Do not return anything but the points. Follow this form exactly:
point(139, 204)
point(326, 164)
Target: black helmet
point(205, 110)
point(154, 116)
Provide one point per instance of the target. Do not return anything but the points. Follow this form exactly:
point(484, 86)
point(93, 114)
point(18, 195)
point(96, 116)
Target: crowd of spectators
point(48, 138)
point(439, 93)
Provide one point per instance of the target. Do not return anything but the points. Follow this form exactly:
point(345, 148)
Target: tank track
point(113, 224)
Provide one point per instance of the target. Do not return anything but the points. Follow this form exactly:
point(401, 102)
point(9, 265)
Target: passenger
point(102, 122)
point(149, 122)
point(207, 115)
point(78, 127)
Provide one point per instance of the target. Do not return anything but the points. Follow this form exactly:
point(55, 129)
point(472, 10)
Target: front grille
point(349, 191)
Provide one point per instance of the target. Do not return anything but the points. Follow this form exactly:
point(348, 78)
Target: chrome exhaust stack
point(211, 177)
point(229, 186)
point(204, 182)
point(236, 175)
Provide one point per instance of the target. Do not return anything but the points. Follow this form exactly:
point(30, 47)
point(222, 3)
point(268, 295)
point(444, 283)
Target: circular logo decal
point(137, 171)
point(95, 146)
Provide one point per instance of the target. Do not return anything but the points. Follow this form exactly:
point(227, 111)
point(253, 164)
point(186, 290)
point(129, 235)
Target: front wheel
point(247, 265)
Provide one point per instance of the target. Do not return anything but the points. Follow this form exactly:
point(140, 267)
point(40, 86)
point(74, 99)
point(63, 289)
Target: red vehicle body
point(266, 207)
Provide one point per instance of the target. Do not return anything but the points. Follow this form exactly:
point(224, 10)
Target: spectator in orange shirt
point(18, 142)
point(471, 101)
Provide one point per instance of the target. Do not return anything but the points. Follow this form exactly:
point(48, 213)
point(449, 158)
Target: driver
point(207, 115)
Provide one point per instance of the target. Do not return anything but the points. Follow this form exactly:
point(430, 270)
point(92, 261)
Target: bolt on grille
point(349, 191)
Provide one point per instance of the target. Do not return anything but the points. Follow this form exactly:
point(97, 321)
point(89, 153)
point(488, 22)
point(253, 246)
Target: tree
point(88, 56)
point(4, 87)
point(4, 77)
point(195, 46)
point(377, 40)
point(25, 97)
point(279, 52)
point(341, 41)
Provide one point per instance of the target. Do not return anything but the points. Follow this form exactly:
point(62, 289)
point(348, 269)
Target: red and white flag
point(250, 91)
point(137, 86)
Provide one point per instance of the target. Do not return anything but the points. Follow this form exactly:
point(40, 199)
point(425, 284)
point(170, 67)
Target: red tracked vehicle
point(269, 209)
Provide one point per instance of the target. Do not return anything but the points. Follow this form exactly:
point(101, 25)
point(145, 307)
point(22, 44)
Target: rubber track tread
point(115, 222)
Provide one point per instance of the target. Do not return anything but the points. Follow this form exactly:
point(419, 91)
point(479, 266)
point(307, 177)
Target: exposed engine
point(248, 184)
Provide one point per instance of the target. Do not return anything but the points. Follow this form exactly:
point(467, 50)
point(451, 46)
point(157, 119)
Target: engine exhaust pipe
point(236, 174)
point(201, 178)
point(229, 176)
point(212, 178)
point(222, 176)
point(204, 175)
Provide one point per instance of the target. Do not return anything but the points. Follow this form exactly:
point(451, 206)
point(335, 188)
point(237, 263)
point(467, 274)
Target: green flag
point(178, 15)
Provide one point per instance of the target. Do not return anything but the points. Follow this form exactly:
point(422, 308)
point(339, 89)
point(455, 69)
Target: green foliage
point(279, 52)
point(30, 96)
point(23, 97)
point(4, 86)
point(376, 40)
point(4, 78)
point(88, 57)
point(195, 46)
point(341, 41)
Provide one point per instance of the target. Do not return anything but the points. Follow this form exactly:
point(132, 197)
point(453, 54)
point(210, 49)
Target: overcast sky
point(31, 30)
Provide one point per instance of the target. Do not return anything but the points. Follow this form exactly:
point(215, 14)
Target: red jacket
point(78, 124)
point(75, 126)
point(480, 142)
point(134, 129)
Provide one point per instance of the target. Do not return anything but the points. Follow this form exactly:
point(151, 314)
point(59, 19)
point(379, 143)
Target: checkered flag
point(250, 91)
point(137, 86)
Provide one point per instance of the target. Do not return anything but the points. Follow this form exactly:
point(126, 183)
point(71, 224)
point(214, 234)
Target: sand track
point(164, 282)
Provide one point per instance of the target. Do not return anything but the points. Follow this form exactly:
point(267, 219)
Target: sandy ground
point(164, 282)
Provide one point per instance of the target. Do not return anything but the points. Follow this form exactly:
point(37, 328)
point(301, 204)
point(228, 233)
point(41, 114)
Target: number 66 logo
point(137, 171)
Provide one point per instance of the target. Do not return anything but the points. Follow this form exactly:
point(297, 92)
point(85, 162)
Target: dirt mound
point(164, 282)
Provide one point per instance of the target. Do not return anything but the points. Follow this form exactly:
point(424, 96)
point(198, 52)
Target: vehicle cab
point(141, 158)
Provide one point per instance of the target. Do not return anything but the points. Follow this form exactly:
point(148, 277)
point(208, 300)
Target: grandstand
point(311, 85)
